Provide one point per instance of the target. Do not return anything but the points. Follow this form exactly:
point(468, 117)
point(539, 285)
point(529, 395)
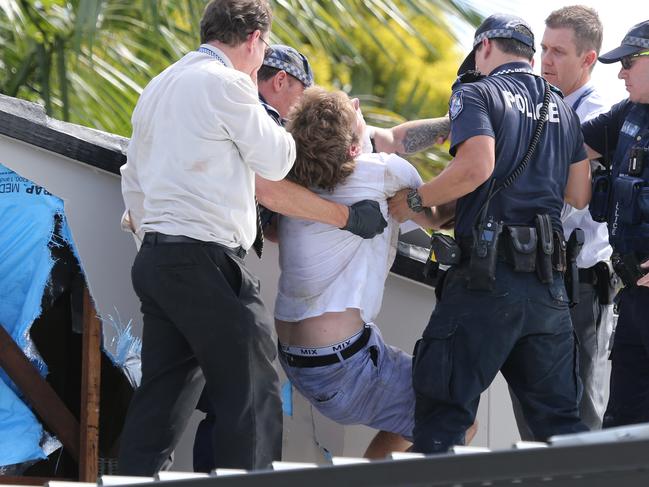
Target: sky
point(618, 16)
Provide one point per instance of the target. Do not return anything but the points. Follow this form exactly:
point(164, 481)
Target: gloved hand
point(365, 219)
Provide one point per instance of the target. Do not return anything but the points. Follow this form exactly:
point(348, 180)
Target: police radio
point(484, 255)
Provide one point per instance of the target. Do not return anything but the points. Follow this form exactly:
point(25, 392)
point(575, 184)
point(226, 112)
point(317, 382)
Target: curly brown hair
point(322, 124)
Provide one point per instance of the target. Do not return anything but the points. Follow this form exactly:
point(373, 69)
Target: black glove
point(365, 219)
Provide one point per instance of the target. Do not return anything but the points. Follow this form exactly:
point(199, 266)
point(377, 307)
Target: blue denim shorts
point(373, 387)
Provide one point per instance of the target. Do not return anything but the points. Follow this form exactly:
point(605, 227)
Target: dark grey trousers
point(593, 326)
point(204, 325)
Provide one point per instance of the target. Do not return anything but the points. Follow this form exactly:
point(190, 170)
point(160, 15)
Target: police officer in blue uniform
point(504, 306)
point(621, 198)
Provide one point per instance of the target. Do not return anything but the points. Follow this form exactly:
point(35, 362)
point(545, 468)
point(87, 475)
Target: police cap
point(501, 26)
point(293, 62)
point(635, 41)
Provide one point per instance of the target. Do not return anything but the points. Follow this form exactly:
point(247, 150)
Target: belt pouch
point(603, 287)
point(601, 196)
point(545, 248)
point(484, 255)
point(522, 248)
point(627, 190)
point(559, 255)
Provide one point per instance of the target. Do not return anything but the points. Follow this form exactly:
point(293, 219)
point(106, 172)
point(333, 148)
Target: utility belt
point(518, 246)
point(601, 278)
point(537, 248)
point(521, 260)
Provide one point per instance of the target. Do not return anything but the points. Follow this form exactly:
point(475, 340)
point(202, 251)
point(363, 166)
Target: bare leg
point(385, 443)
point(470, 433)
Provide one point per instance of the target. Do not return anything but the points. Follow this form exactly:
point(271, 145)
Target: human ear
point(590, 58)
point(279, 80)
point(355, 150)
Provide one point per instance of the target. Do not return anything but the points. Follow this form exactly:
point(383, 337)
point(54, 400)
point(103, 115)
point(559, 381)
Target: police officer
point(621, 198)
point(491, 317)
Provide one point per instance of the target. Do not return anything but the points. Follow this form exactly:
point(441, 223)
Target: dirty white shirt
point(199, 136)
point(325, 269)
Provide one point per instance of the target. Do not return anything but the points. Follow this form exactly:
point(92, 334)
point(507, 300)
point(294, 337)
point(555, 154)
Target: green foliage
point(398, 57)
point(87, 61)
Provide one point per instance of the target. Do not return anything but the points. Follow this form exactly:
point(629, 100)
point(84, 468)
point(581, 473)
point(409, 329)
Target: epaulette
point(470, 77)
point(556, 90)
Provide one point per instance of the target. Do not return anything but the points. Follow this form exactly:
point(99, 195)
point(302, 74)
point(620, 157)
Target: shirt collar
point(220, 55)
point(513, 67)
point(574, 96)
point(274, 114)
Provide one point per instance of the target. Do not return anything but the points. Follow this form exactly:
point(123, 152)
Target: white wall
point(93, 206)
point(407, 305)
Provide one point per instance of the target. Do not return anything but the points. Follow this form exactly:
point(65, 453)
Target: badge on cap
point(455, 105)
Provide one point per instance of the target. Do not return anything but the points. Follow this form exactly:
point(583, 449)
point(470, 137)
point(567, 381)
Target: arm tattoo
point(423, 136)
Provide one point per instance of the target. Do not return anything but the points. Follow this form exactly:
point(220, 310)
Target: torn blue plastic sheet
point(27, 214)
point(17, 420)
point(125, 349)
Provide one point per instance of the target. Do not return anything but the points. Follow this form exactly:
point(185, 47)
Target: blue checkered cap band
point(636, 41)
point(290, 60)
point(503, 34)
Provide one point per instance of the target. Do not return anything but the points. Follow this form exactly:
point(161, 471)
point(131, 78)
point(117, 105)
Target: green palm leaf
point(87, 61)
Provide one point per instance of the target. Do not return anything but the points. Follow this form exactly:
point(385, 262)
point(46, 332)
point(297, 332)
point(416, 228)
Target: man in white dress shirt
point(569, 49)
point(200, 136)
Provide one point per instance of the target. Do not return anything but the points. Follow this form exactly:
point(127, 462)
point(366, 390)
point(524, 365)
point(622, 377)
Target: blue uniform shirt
point(621, 129)
point(505, 106)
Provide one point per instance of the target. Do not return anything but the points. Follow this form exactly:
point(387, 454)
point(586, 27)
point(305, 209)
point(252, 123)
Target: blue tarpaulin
point(27, 216)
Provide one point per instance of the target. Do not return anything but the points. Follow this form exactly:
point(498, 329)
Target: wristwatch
point(414, 201)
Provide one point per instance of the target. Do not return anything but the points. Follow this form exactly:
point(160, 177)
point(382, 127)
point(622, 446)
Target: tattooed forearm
point(425, 133)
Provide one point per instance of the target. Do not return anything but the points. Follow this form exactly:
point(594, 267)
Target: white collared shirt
point(199, 136)
point(327, 269)
point(596, 247)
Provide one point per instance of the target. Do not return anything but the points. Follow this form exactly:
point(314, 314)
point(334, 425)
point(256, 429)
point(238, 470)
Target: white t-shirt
point(596, 247)
point(325, 269)
point(199, 136)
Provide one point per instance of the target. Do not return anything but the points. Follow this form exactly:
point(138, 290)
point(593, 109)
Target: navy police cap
point(636, 40)
point(293, 62)
point(500, 26)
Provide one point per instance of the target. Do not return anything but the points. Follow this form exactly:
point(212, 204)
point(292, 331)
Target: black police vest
point(628, 209)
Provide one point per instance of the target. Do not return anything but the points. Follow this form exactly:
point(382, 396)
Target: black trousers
point(521, 328)
point(204, 325)
point(629, 399)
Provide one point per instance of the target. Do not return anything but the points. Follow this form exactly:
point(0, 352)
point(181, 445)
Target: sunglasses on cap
point(627, 61)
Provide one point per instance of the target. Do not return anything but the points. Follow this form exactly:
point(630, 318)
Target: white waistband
point(321, 351)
